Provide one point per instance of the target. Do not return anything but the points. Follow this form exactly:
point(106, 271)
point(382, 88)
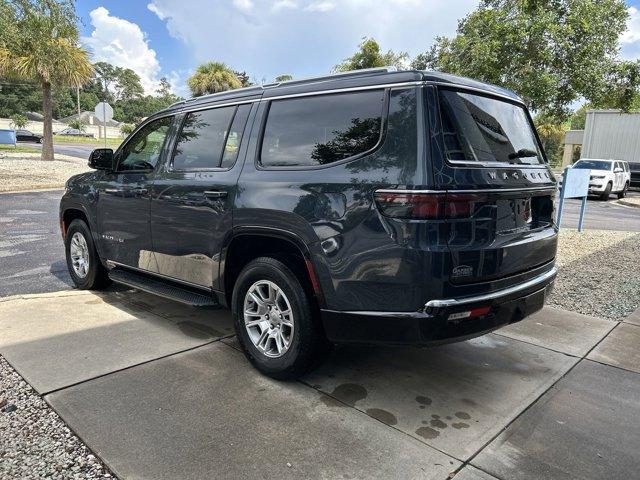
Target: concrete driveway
point(159, 390)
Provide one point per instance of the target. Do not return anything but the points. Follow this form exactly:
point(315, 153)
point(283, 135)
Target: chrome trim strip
point(113, 264)
point(381, 86)
point(476, 190)
point(454, 302)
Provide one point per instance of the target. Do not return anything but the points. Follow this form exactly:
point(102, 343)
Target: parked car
point(27, 136)
point(380, 207)
point(74, 132)
point(607, 176)
point(634, 168)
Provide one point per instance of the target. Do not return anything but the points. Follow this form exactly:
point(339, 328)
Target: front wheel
point(83, 262)
point(607, 192)
point(275, 321)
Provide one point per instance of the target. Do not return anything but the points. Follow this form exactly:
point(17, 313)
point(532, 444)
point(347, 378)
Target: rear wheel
point(275, 321)
point(83, 262)
point(607, 192)
point(623, 193)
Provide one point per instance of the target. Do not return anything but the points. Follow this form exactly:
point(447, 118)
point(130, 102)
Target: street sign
point(103, 112)
point(575, 184)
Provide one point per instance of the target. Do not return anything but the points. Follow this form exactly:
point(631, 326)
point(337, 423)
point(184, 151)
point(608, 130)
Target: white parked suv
point(607, 176)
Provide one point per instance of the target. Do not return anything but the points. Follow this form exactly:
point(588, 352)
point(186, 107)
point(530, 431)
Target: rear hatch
point(500, 193)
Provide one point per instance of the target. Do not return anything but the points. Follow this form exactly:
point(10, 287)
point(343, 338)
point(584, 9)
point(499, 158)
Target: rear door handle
point(113, 190)
point(214, 194)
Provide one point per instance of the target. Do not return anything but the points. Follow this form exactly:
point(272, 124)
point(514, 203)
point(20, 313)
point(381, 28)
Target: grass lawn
point(18, 149)
point(111, 142)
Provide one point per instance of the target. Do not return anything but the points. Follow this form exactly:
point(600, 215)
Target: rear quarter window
point(322, 129)
point(483, 129)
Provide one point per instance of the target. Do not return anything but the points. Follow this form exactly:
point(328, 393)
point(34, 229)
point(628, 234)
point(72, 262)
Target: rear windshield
point(483, 129)
point(593, 165)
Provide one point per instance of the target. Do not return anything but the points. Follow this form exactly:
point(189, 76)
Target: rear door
point(619, 176)
point(501, 193)
point(192, 196)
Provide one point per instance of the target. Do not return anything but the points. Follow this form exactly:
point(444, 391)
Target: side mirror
point(618, 170)
point(102, 159)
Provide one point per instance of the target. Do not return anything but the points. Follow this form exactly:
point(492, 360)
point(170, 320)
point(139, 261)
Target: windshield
point(593, 165)
point(483, 129)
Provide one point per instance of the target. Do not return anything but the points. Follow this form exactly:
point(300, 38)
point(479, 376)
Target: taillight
point(426, 205)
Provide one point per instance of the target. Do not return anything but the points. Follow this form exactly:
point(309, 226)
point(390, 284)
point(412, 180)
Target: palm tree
point(213, 77)
point(41, 44)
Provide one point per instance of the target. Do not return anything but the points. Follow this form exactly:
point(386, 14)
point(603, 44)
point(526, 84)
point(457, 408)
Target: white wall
point(36, 127)
point(610, 134)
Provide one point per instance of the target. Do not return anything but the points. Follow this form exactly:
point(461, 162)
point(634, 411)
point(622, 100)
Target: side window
point(323, 129)
point(202, 138)
point(142, 152)
point(234, 137)
point(617, 165)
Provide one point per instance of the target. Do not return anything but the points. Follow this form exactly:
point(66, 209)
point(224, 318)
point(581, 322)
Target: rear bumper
point(433, 325)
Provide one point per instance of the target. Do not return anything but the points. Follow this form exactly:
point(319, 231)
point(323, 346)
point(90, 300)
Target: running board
point(166, 289)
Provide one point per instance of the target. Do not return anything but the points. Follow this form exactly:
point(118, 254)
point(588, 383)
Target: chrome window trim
point(475, 190)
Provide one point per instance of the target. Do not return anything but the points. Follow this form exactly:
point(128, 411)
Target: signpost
point(575, 184)
point(104, 114)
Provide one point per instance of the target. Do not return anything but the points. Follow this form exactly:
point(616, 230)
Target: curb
point(61, 293)
point(35, 190)
point(627, 203)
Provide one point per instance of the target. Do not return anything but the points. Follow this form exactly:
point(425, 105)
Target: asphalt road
point(32, 254)
point(80, 150)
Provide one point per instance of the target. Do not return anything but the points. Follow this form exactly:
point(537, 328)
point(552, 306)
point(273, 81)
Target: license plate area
point(513, 215)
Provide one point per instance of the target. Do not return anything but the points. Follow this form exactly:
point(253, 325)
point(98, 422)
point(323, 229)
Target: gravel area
point(598, 273)
point(34, 441)
point(25, 171)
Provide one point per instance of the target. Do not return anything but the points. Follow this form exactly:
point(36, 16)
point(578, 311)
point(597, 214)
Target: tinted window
point(143, 150)
point(321, 129)
point(201, 139)
point(482, 129)
point(234, 137)
point(593, 165)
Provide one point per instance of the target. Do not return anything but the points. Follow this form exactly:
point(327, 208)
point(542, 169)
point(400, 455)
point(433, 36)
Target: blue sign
point(7, 137)
point(575, 184)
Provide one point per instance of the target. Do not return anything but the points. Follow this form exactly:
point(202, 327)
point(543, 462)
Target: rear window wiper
point(523, 153)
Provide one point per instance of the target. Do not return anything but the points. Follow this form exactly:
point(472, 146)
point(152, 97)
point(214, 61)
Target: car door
point(123, 196)
point(619, 176)
point(192, 196)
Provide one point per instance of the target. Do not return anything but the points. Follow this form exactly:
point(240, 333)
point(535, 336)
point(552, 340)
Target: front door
point(193, 195)
point(124, 197)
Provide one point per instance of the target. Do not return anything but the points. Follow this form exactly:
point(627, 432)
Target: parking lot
point(160, 390)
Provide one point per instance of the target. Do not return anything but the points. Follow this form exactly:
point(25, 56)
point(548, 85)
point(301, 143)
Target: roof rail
point(351, 73)
point(330, 76)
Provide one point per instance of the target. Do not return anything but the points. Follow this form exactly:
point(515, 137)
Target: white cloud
point(630, 39)
point(155, 10)
point(123, 44)
point(283, 5)
point(322, 6)
point(267, 42)
point(245, 6)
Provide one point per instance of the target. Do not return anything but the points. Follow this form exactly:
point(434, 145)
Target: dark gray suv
point(367, 207)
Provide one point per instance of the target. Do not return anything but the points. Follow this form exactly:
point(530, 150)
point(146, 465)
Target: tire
point(307, 343)
point(607, 192)
point(623, 193)
point(96, 277)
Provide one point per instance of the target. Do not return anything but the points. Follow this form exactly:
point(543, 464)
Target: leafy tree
point(213, 77)
point(18, 96)
point(19, 121)
point(77, 124)
point(164, 88)
point(579, 117)
point(284, 78)
point(370, 56)
point(244, 78)
point(39, 42)
point(126, 129)
point(551, 52)
point(117, 83)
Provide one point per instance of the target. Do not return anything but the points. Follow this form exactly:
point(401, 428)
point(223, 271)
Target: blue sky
point(266, 38)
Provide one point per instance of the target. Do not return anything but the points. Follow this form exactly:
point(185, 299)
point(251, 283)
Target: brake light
point(426, 205)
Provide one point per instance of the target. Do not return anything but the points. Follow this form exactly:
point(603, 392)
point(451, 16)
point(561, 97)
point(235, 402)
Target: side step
point(166, 289)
